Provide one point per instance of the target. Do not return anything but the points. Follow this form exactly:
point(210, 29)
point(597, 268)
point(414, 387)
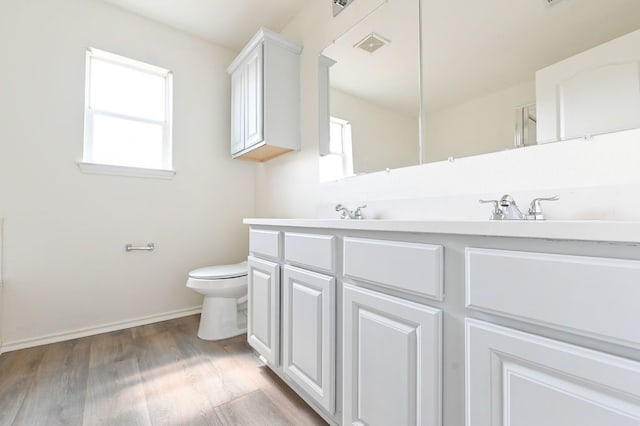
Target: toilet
point(224, 288)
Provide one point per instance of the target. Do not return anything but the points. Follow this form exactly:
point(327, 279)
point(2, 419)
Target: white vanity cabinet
point(392, 347)
point(309, 315)
point(265, 98)
point(292, 310)
point(446, 323)
point(518, 378)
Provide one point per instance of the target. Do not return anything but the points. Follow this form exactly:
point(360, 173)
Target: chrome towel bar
point(148, 247)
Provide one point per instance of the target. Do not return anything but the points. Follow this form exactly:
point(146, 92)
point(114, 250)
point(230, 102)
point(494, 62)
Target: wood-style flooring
point(157, 374)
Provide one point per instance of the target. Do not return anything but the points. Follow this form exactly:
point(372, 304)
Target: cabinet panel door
point(392, 360)
point(308, 333)
point(519, 379)
point(253, 132)
point(263, 309)
point(237, 111)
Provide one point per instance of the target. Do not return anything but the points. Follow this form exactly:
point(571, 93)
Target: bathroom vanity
point(451, 323)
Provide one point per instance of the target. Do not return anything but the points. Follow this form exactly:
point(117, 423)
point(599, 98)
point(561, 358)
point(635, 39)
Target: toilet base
point(219, 319)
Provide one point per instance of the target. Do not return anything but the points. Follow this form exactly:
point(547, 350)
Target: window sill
point(110, 169)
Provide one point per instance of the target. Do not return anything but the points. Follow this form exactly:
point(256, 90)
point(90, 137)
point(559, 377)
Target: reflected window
point(339, 162)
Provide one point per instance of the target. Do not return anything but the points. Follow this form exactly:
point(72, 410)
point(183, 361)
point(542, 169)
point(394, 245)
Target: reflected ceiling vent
point(372, 42)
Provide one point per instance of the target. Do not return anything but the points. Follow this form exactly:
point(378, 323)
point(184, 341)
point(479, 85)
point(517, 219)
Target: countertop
point(581, 230)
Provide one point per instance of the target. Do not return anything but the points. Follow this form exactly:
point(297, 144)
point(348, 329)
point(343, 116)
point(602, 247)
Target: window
point(339, 162)
point(127, 116)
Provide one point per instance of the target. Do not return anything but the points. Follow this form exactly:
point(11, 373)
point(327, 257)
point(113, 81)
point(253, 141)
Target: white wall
point(595, 179)
point(477, 126)
point(65, 267)
point(382, 138)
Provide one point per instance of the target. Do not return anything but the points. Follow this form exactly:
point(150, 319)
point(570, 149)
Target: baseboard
point(90, 331)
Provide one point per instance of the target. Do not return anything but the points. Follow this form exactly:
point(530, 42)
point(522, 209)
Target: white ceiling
point(227, 23)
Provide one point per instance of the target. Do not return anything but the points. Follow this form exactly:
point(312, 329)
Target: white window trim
point(114, 170)
point(87, 165)
point(347, 148)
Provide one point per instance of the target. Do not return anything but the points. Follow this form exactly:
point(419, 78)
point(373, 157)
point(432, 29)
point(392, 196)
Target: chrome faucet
point(345, 213)
point(510, 208)
point(506, 208)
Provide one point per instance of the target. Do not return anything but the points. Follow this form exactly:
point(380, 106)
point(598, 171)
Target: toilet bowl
point(224, 288)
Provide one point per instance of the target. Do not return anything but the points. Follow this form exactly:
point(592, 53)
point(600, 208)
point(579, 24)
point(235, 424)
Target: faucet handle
point(535, 208)
point(497, 213)
point(357, 213)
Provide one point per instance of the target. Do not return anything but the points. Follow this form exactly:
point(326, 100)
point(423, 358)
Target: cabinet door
point(253, 112)
point(237, 111)
point(308, 333)
point(519, 379)
point(263, 309)
point(392, 360)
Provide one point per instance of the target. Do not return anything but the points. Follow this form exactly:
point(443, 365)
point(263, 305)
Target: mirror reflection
point(496, 75)
point(504, 59)
point(374, 94)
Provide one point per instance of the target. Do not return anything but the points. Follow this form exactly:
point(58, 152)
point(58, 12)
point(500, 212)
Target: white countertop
point(582, 230)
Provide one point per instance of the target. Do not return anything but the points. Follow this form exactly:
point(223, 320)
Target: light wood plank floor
point(158, 374)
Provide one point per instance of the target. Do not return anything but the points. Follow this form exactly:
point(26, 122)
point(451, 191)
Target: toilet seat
point(219, 272)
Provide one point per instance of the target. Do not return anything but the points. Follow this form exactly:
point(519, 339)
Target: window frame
point(346, 153)
point(88, 163)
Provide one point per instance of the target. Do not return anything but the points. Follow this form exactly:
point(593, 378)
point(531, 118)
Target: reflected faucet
point(345, 213)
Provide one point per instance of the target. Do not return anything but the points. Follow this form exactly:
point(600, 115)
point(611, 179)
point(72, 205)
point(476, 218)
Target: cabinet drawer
point(413, 267)
point(593, 296)
point(264, 243)
point(311, 250)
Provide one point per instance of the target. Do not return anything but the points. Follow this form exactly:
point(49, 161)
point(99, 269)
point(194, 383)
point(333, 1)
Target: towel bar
point(148, 247)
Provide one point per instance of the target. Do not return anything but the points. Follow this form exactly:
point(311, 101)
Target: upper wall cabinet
point(265, 98)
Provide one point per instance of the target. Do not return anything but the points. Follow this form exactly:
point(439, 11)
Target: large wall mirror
point(496, 75)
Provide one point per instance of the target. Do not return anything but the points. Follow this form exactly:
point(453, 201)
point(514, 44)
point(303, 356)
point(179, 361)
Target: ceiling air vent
point(372, 42)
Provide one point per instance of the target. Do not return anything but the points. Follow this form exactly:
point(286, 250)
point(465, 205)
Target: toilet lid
point(220, 271)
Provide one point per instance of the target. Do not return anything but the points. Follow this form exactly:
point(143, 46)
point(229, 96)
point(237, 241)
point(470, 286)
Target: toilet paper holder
point(148, 247)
